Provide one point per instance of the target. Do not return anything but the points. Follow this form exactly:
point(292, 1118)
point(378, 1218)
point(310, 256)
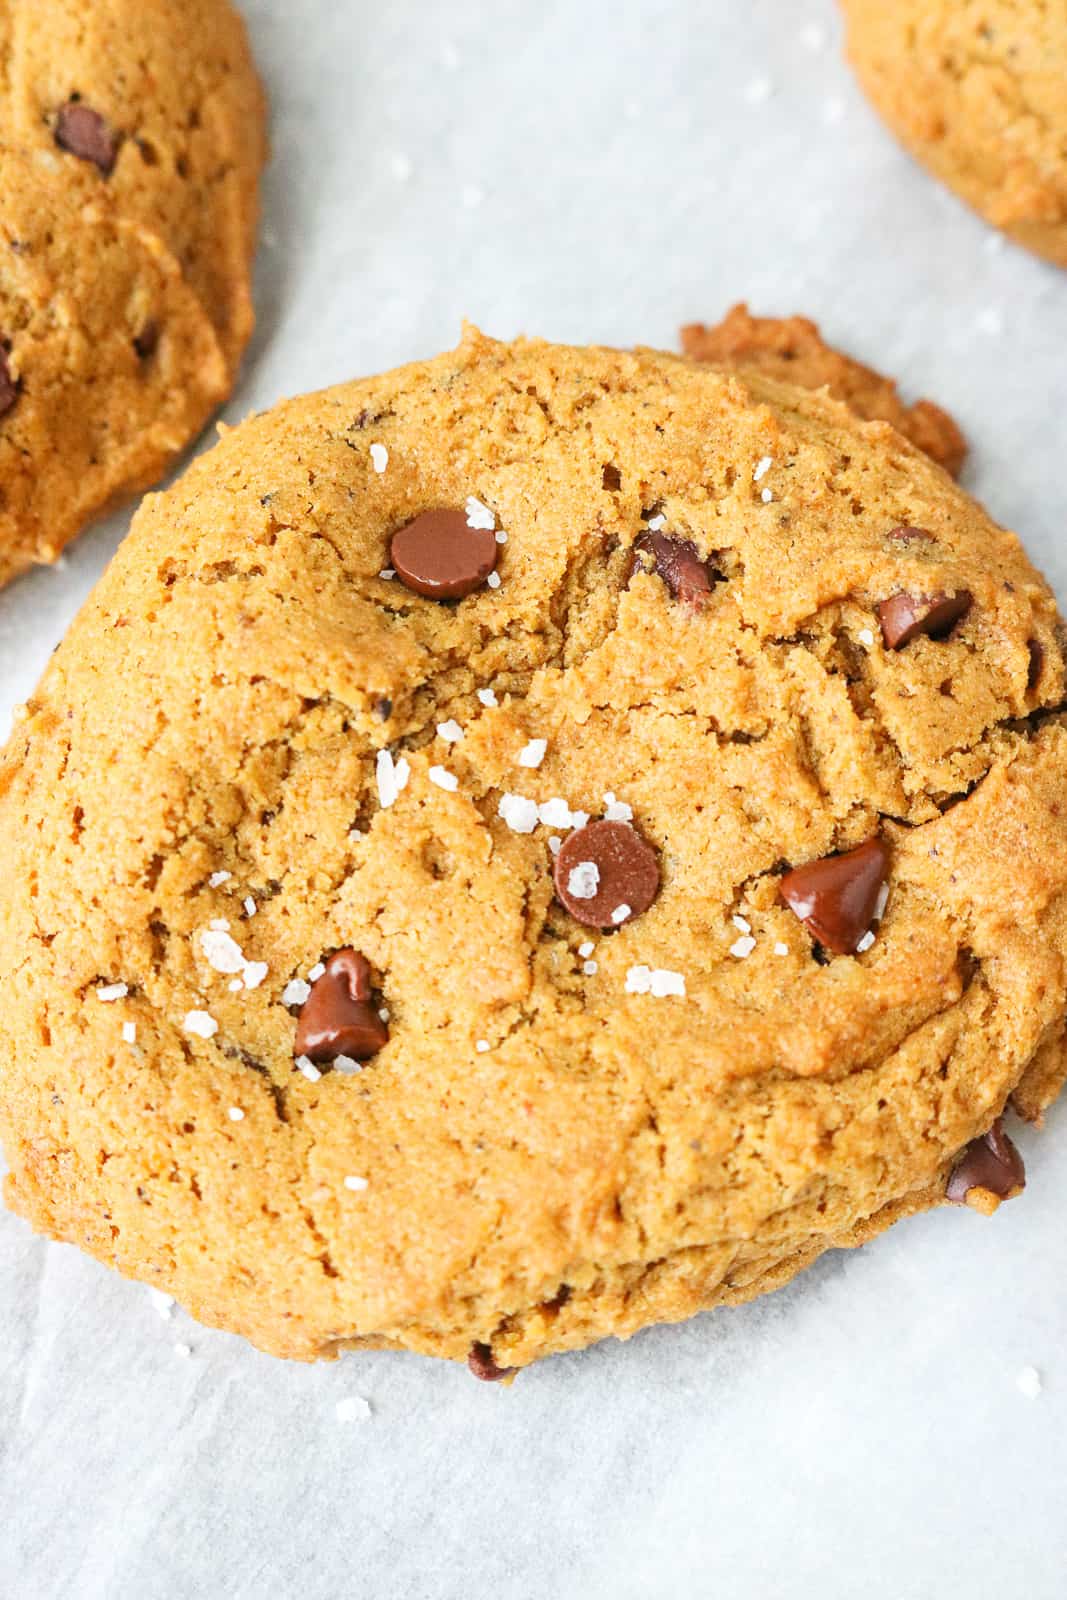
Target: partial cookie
point(131, 141)
point(978, 94)
point(792, 349)
point(533, 844)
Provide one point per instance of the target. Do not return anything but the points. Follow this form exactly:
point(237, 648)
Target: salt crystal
point(532, 754)
point(380, 457)
point(519, 813)
point(584, 880)
point(443, 779)
point(479, 515)
point(450, 731)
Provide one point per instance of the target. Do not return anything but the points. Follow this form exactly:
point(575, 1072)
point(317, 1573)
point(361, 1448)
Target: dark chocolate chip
point(1036, 652)
point(603, 869)
point(339, 1017)
point(904, 616)
point(991, 1162)
point(9, 389)
point(611, 478)
point(441, 556)
point(384, 707)
point(147, 341)
point(480, 1360)
point(911, 536)
point(84, 133)
point(835, 898)
point(678, 563)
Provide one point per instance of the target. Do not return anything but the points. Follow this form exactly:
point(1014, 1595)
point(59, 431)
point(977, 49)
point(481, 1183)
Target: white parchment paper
point(591, 172)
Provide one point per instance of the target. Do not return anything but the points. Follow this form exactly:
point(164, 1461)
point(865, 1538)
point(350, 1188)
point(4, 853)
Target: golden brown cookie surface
point(793, 350)
point(978, 93)
point(310, 1022)
point(131, 142)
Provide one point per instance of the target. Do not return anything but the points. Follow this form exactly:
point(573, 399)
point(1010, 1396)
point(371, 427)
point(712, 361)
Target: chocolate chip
point(604, 869)
point(678, 563)
point(991, 1162)
point(904, 616)
point(835, 898)
point(480, 1360)
point(147, 341)
point(339, 1017)
point(384, 707)
point(911, 536)
point(9, 389)
point(84, 133)
point(1036, 652)
point(441, 556)
point(611, 478)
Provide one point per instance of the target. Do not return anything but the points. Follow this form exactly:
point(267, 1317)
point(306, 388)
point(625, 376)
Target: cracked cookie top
point(131, 142)
point(655, 856)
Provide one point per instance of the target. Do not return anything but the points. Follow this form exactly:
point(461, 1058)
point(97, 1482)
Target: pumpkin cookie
point(793, 349)
point(131, 140)
point(584, 836)
point(978, 94)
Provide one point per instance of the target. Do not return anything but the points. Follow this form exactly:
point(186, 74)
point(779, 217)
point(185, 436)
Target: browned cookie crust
point(977, 91)
point(793, 349)
point(132, 135)
point(319, 1010)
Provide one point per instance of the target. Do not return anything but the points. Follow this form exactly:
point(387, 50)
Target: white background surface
point(591, 172)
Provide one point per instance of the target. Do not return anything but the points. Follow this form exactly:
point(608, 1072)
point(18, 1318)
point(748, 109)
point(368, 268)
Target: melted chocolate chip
point(835, 898)
point(1036, 664)
point(679, 564)
point(9, 389)
point(991, 1162)
point(84, 133)
point(480, 1361)
point(904, 616)
point(147, 341)
point(604, 869)
point(339, 1017)
point(441, 556)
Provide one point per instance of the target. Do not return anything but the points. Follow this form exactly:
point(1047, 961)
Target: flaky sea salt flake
point(380, 457)
point(519, 813)
point(532, 754)
point(479, 514)
point(110, 992)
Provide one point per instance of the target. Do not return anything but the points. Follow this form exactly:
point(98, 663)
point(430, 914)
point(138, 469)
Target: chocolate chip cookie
point(530, 845)
point(132, 137)
point(793, 349)
point(978, 94)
